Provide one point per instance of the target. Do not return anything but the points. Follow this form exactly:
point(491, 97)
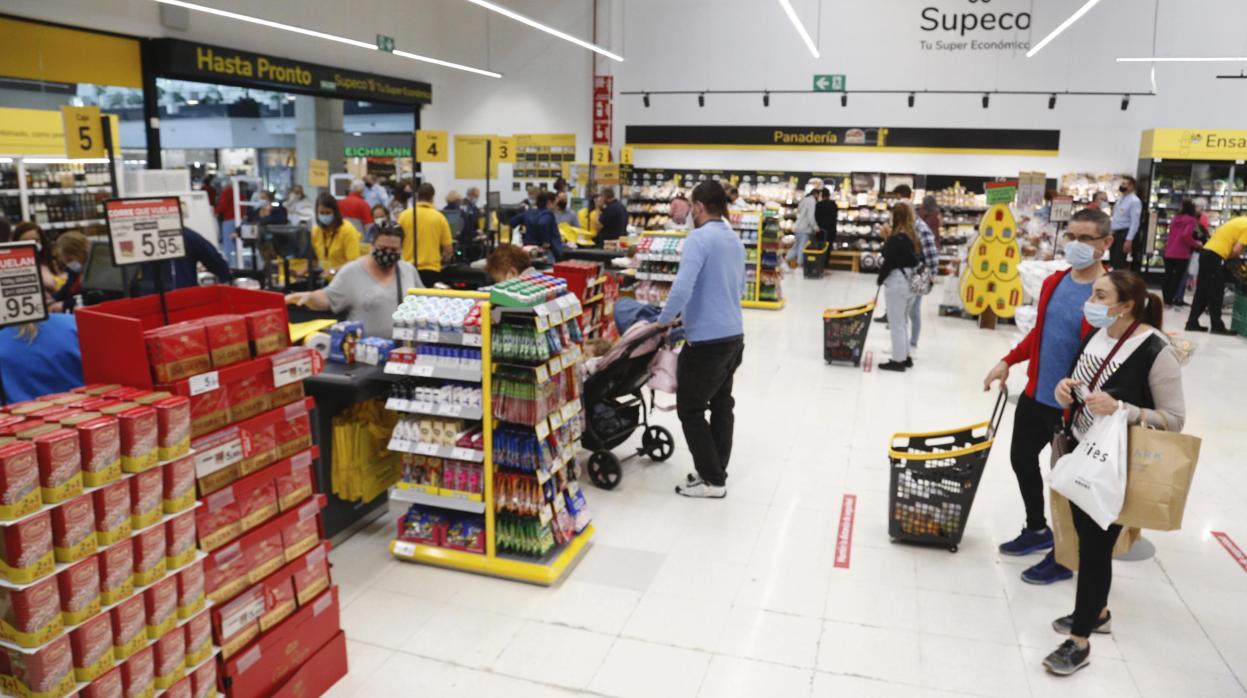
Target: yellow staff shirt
point(423, 242)
point(1224, 238)
point(338, 249)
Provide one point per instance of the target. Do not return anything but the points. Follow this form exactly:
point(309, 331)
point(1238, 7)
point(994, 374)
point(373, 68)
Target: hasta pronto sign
point(976, 25)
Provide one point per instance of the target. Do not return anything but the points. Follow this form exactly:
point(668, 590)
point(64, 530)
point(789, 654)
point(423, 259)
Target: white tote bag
point(1093, 476)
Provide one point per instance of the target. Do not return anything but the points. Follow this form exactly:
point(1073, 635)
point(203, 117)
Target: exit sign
point(829, 83)
point(385, 43)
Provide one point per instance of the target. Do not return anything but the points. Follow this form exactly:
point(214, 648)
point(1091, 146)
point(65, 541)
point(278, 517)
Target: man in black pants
point(707, 293)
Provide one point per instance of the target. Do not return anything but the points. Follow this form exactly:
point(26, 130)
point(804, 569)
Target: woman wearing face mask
point(71, 252)
point(368, 289)
point(1127, 363)
point(298, 207)
point(335, 240)
point(49, 268)
point(1179, 246)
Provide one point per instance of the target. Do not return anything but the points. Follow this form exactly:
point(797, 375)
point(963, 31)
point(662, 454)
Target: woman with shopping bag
point(1126, 374)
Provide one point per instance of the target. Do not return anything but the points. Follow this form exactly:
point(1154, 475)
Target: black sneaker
point(909, 363)
point(897, 366)
point(1223, 331)
point(1065, 625)
point(882, 319)
point(1067, 658)
point(1195, 328)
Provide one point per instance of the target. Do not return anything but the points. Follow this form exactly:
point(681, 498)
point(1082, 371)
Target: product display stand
point(460, 519)
point(760, 232)
point(659, 253)
point(58, 195)
point(1163, 184)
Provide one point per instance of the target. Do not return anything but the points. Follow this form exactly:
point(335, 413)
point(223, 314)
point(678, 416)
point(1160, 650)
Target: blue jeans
point(228, 248)
point(915, 321)
point(900, 303)
point(794, 255)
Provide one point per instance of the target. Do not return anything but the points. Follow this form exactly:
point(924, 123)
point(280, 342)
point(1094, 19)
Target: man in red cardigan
point(1051, 349)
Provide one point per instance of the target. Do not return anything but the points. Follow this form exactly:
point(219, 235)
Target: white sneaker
point(701, 490)
point(692, 479)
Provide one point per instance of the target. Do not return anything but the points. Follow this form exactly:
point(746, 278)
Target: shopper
point(613, 221)
point(299, 210)
point(354, 208)
point(508, 262)
point(471, 215)
point(1126, 216)
point(930, 259)
point(208, 186)
point(335, 239)
point(401, 200)
point(560, 185)
point(901, 248)
point(1050, 347)
point(590, 215)
point(827, 215)
point(563, 213)
point(1099, 201)
point(375, 193)
point(71, 253)
point(184, 271)
point(540, 227)
point(806, 224)
point(733, 198)
point(39, 358)
point(679, 214)
point(49, 269)
point(1225, 244)
point(1178, 248)
point(268, 212)
point(380, 215)
point(224, 210)
point(929, 213)
point(1144, 377)
point(368, 289)
point(706, 293)
point(426, 236)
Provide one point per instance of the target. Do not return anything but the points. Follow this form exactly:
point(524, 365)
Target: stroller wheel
point(657, 443)
point(604, 470)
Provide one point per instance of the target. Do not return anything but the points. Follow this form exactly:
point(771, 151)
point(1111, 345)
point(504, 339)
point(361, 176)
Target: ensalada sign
point(21, 291)
point(976, 25)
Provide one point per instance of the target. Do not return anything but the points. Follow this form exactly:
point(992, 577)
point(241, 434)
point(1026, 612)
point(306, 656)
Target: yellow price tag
point(601, 154)
point(84, 134)
point(504, 149)
point(432, 146)
point(318, 173)
point(625, 155)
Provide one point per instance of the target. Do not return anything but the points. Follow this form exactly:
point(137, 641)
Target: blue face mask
point(1080, 255)
point(75, 267)
point(324, 218)
point(1097, 315)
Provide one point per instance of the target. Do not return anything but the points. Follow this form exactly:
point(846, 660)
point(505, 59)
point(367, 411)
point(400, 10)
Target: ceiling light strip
point(512, 14)
point(319, 35)
point(1062, 27)
point(796, 22)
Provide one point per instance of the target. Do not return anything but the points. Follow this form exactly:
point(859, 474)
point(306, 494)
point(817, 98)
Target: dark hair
point(389, 228)
point(1094, 215)
point(824, 194)
point(544, 198)
point(904, 190)
point(560, 184)
point(425, 192)
point(732, 192)
point(326, 200)
point(1131, 287)
point(506, 258)
point(384, 210)
point(1048, 194)
point(45, 256)
point(1188, 208)
point(711, 195)
point(608, 193)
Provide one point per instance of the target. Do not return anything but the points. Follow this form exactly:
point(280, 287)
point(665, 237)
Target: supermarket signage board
point(40, 132)
point(145, 229)
point(1193, 144)
point(470, 157)
point(1062, 209)
point(829, 83)
point(84, 132)
point(21, 288)
point(975, 141)
point(1001, 192)
point(318, 173)
point(191, 60)
point(432, 146)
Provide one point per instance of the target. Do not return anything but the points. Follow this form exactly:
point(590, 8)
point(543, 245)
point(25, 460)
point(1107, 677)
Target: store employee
point(335, 240)
point(1226, 243)
point(368, 289)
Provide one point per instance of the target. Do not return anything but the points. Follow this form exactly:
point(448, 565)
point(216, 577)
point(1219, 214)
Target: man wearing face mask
point(1126, 215)
point(368, 289)
point(1051, 348)
point(563, 213)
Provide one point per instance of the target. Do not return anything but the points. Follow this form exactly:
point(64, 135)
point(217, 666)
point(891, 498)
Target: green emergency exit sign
point(829, 83)
point(385, 43)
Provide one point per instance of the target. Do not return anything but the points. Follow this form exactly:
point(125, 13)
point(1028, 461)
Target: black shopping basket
point(844, 332)
point(815, 257)
point(934, 478)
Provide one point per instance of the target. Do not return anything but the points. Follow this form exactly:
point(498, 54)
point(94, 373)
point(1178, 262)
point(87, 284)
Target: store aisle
point(743, 596)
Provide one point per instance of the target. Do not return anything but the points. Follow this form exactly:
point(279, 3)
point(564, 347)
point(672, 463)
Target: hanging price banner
point(145, 230)
point(21, 290)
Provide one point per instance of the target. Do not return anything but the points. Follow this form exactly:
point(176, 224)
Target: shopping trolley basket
point(844, 332)
point(934, 478)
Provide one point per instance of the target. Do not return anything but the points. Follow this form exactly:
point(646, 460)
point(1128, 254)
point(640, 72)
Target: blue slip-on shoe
point(1047, 572)
point(1028, 542)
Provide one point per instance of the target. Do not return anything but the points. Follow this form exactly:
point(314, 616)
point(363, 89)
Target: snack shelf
point(190, 670)
point(438, 497)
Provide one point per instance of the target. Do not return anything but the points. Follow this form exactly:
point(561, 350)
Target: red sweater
point(1028, 348)
point(354, 206)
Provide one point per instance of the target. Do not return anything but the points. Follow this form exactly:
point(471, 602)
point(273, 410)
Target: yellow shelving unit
point(754, 249)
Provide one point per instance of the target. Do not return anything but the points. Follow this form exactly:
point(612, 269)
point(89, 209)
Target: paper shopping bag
point(1066, 537)
point(1161, 466)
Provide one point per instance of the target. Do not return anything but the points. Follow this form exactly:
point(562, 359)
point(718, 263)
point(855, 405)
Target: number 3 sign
point(145, 230)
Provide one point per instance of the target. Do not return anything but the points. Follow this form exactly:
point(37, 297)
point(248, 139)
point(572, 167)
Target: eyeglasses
point(1086, 239)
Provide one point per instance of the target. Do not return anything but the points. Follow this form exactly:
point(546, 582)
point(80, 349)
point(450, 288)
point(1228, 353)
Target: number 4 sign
point(21, 289)
point(145, 230)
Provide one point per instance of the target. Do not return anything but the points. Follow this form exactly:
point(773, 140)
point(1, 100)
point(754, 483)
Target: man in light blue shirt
point(1125, 224)
point(707, 293)
point(375, 193)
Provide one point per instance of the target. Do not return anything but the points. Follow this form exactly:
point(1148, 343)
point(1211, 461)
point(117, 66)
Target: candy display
point(527, 291)
point(438, 314)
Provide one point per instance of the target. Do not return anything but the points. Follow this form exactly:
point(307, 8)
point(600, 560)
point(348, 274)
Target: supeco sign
point(976, 25)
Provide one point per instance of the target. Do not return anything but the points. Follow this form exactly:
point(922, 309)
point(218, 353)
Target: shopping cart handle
point(998, 412)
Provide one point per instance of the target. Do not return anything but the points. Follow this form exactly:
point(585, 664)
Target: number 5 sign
point(145, 230)
point(21, 288)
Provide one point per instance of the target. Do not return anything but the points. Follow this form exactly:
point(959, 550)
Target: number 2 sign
point(21, 288)
point(145, 230)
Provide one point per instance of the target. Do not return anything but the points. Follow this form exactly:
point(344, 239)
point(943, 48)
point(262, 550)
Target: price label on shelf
point(556, 420)
point(463, 454)
point(404, 548)
point(21, 289)
point(421, 371)
point(542, 429)
point(556, 365)
point(417, 406)
point(568, 412)
point(427, 336)
point(543, 374)
point(214, 458)
point(556, 316)
point(406, 334)
point(400, 445)
point(546, 514)
point(239, 614)
point(204, 383)
point(448, 410)
point(145, 230)
point(300, 364)
point(471, 340)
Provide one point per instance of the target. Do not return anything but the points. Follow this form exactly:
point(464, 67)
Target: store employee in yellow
point(427, 243)
point(335, 240)
point(1225, 244)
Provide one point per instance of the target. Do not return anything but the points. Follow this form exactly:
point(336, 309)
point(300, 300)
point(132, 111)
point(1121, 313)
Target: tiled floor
point(740, 597)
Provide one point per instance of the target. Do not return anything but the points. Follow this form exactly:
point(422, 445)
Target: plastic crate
point(844, 332)
point(934, 477)
point(815, 260)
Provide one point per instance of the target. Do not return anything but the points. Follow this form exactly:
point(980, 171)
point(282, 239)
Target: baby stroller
point(615, 406)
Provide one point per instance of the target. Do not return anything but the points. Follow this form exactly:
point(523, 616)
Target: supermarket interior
point(579, 348)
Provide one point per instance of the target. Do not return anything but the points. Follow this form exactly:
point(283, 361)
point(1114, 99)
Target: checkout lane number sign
point(21, 287)
point(145, 230)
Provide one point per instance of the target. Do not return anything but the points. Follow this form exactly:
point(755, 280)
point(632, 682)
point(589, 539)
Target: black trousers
point(1095, 570)
point(704, 379)
point(1209, 289)
point(428, 277)
point(1117, 254)
point(1175, 272)
point(1033, 426)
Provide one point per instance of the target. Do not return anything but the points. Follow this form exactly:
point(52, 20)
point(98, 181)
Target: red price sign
point(145, 230)
point(21, 289)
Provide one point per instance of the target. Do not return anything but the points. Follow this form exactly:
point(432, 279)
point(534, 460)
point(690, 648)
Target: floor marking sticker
point(844, 538)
